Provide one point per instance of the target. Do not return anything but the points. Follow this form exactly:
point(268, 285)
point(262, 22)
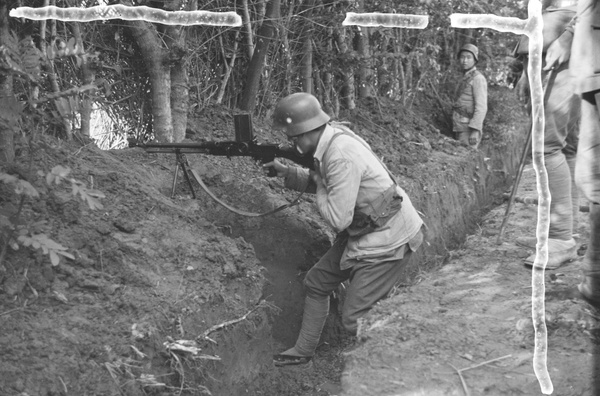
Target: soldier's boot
point(315, 314)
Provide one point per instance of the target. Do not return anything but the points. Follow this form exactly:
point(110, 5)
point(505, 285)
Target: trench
point(452, 203)
point(286, 251)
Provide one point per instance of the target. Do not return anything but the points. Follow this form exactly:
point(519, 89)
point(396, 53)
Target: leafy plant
point(47, 245)
point(27, 236)
point(91, 197)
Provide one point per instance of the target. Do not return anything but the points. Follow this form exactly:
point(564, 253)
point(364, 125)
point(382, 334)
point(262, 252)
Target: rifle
point(244, 145)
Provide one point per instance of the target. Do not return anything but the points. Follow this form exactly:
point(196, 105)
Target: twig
point(460, 371)
point(462, 380)
point(113, 376)
point(484, 363)
point(262, 303)
point(64, 385)
point(10, 311)
point(228, 323)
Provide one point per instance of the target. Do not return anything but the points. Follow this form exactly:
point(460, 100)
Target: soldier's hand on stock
point(280, 169)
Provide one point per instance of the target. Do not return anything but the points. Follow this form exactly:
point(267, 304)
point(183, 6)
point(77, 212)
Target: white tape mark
point(119, 11)
point(376, 19)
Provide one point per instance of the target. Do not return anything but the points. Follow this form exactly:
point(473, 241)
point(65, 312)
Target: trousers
point(562, 113)
point(369, 282)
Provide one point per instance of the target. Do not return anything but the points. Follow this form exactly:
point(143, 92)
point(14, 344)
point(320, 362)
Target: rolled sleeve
point(299, 179)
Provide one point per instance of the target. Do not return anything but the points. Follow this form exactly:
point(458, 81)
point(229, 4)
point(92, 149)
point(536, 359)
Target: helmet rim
point(299, 113)
point(469, 48)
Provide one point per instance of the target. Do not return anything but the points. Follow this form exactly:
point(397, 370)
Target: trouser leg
point(313, 320)
point(591, 260)
point(587, 169)
point(321, 280)
point(561, 207)
point(370, 283)
point(588, 180)
point(574, 193)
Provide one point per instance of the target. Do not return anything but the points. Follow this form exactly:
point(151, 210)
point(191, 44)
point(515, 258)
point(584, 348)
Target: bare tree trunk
point(257, 63)
point(307, 70)
point(88, 76)
point(328, 89)
point(403, 87)
point(59, 102)
point(7, 144)
point(228, 67)
point(156, 59)
point(180, 89)
point(287, 51)
point(248, 29)
point(365, 71)
point(348, 93)
point(383, 85)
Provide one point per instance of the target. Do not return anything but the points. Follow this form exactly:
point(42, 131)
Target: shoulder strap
point(366, 146)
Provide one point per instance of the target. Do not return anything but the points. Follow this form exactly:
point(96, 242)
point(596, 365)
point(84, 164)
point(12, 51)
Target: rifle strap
point(238, 211)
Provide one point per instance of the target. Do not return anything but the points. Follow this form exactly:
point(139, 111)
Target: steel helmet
point(472, 49)
point(298, 113)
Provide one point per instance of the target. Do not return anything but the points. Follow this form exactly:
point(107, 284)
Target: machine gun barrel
point(262, 152)
point(245, 145)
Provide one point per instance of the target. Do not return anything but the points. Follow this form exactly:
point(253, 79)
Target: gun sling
point(182, 162)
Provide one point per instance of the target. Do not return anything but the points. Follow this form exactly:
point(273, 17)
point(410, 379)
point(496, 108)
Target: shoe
point(559, 253)
point(288, 360)
point(528, 242)
point(531, 242)
point(586, 292)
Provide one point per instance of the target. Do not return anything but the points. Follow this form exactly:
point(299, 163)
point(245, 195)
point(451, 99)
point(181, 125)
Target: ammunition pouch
point(376, 214)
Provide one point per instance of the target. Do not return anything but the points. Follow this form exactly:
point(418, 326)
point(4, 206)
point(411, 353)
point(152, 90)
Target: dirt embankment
point(150, 269)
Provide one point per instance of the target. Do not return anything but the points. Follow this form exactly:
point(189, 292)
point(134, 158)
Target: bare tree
point(7, 146)
point(265, 34)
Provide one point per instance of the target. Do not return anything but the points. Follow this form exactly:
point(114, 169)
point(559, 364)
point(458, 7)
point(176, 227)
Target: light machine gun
point(244, 145)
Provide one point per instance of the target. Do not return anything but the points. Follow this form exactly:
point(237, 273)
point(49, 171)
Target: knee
point(554, 159)
point(313, 287)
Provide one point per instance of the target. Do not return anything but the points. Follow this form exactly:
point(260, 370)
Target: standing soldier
point(585, 70)
point(561, 130)
point(378, 227)
point(470, 103)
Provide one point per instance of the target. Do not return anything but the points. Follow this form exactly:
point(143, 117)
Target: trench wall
point(454, 197)
point(452, 191)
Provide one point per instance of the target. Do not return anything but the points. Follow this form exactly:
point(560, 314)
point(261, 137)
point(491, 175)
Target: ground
point(474, 314)
point(170, 295)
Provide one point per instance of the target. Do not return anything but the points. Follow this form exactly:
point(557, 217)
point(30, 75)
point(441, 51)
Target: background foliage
point(95, 78)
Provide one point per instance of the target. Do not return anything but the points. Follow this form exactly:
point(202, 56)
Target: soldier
point(585, 70)
point(561, 130)
point(470, 103)
point(378, 227)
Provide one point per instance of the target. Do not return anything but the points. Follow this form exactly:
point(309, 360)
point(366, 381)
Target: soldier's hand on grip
point(275, 168)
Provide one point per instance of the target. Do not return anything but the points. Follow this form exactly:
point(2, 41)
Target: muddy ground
point(171, 295)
